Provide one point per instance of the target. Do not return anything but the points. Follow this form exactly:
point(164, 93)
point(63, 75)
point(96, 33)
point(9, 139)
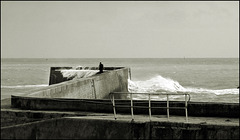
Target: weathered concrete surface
point(104, 126)
point(105, 106)
point(15, 116)
point(94, 87)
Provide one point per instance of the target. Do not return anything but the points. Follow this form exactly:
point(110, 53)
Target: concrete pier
point(95, 87)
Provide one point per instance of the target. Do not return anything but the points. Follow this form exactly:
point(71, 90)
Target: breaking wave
point(161, 84)
point(76, 74)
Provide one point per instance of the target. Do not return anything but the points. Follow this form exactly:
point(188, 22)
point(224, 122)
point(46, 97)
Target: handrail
point(149, 102)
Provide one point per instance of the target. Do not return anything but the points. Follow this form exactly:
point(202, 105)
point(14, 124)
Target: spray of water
point(159, 84)
point(79, 72)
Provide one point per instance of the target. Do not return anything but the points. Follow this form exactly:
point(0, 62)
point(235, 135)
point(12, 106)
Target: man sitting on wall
point(100, 68)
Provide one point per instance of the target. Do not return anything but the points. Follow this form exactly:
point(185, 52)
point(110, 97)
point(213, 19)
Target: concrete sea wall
point(94, 87)
point(94, 128)
point(105, 106)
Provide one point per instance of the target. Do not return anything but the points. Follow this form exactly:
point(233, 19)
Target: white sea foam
point(155, 84)
point(217, 92)
point(76, 74)
point(162, 84)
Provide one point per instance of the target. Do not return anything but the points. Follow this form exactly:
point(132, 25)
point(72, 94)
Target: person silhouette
point(100, 67)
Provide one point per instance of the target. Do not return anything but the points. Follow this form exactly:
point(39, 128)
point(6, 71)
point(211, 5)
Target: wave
point(76, 74)
point(162, 84)
point(217, 92)
point(24, 86)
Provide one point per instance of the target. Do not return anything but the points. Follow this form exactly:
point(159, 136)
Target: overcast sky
point(111, 29)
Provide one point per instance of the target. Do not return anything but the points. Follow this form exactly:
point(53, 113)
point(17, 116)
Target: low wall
point(105, 106)
point(85, 128)
point(94, 87)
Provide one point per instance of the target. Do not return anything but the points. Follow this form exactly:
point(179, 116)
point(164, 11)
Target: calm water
point(207, 80)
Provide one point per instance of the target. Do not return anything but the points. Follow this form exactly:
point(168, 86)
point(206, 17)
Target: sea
point(205, 79)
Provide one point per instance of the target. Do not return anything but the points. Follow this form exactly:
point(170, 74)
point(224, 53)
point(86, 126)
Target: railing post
point(149, 106)
point(186, 108)
point(114, 109)
point(167, 107)
point(131, 106)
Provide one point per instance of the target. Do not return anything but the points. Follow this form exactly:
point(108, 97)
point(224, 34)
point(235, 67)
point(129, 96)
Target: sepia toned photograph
point(120, 70)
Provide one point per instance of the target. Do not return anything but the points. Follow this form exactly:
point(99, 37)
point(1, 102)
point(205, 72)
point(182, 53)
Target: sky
point(119, 29)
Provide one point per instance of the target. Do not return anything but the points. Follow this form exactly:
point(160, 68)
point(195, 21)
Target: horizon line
point(104, 57)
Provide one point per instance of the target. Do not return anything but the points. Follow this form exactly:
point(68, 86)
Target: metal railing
point(149, 103)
